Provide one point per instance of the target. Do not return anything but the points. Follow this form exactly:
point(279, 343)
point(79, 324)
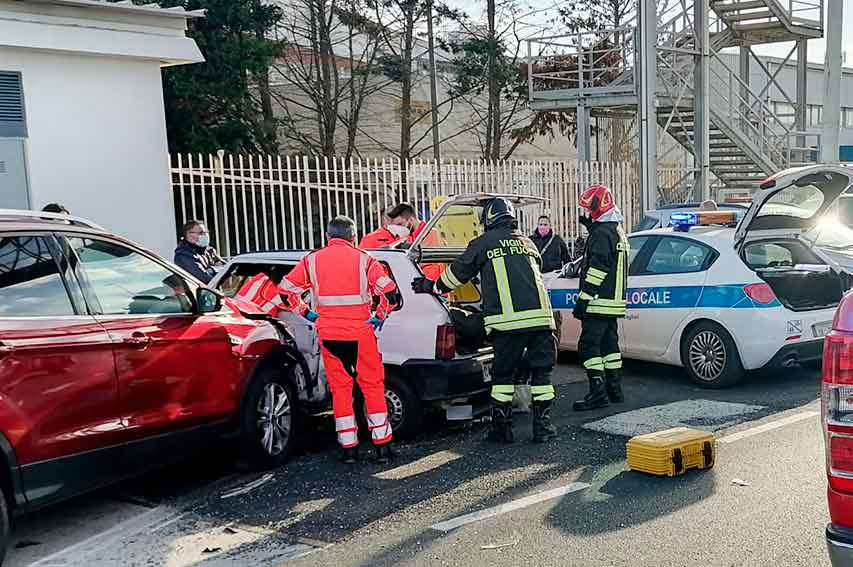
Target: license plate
point(487, 372)
point(821, 329)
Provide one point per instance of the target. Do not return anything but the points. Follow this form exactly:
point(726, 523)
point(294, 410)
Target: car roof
point(711, 235)
point(683, 206)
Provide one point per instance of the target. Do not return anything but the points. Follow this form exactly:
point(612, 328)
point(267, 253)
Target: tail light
point(445, 342)
point(760, 293)
point(837, 410)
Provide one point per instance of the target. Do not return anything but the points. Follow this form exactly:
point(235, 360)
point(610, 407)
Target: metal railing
point(804, 12)
point(258, 203)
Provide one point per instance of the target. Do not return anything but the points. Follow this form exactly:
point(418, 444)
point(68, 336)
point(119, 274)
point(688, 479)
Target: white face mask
point(398, 230)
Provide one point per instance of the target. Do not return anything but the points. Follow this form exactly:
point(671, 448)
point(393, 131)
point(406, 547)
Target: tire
point(710, 356)
point(268, 438)
point(5, 526)
point(405, 410)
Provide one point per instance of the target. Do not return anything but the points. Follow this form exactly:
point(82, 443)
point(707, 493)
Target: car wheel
point(710, 356)
point(270, 420)
point(405, 411)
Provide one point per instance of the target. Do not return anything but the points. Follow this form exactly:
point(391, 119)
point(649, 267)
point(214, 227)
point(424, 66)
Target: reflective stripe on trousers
point(347, 431)
point(380, 428)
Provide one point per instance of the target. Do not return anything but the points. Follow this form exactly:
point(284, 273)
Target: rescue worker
point(404, 216)
point(602, 298)
point(343, 280)
point(517, 315)
point(386, 235)
point(262, 290)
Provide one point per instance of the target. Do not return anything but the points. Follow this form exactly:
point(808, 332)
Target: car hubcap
point(707, 355)
point(274, 418)
point(395, 408)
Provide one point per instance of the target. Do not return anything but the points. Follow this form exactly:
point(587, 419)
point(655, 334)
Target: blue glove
point(311, 315)
point(376, 322)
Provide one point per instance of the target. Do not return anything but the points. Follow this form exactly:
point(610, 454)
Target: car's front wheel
point(269, 420)
point(710, 356)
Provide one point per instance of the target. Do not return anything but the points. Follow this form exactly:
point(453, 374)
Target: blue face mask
point(203, 240)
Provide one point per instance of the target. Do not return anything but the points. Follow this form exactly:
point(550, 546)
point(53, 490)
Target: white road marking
point(511, 506)
point(90, 545)
point(248, 487)
point(770, 426)
point(709, 415)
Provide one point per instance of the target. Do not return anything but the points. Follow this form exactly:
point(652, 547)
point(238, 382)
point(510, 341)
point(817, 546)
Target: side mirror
point(209, 301)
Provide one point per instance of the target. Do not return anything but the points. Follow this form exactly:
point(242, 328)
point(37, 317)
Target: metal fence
point(258, 203)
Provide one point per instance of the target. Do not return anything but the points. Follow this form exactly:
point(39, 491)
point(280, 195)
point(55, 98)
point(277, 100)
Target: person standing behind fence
point(386, 235)
point(194, 252)
point(551, 246)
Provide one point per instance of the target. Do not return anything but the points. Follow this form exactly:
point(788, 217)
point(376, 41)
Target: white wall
point(97, 141)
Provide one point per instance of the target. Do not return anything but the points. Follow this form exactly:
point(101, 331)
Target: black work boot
point(597, 396)
point(349, 455)
point(501, 430)
point(543, 430)
point(384, 454)
point(613, 385)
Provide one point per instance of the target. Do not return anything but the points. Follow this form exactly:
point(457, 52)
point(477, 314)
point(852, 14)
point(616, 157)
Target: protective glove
point(579, 312)
point(376, 322)
point(311, 315)
point(423, 285)
point(585, 221)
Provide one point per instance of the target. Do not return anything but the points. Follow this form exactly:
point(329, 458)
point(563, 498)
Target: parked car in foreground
point(837, 417)
point(725, 298)
point(113, 361)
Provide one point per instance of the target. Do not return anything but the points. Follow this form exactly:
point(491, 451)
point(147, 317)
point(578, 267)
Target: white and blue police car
point(720, 295)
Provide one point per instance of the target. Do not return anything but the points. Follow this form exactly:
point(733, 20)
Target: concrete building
point(81, 111)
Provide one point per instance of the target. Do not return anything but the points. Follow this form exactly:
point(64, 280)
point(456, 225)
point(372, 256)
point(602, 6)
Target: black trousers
point(598, 346)
point(535, 351)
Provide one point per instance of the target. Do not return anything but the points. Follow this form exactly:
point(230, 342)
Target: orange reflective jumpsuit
point(343, 279)
point(261, 291)
point(379, 238)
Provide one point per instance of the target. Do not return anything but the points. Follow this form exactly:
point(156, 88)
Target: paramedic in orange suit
point(262, 290)
point(404, 215)
point(343, 280)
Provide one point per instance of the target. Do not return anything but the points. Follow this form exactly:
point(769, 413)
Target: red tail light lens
point(760, 293)
point(445, 342)
point(841, 462)
point(838, 359)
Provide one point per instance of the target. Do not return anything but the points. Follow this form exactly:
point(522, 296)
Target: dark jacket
point(553, 250)
point(197, 260)
point(604, 272)
point(514, 296)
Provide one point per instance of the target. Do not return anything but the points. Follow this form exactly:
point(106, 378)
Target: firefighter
point(601, 301)
point(343, 280)
point(517, 315)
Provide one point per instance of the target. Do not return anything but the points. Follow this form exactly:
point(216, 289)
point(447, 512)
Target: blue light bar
point(681, 222)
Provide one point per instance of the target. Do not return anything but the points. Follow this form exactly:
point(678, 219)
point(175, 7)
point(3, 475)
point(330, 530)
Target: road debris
point(740, 482)
point(211, 550)
point(499, 545)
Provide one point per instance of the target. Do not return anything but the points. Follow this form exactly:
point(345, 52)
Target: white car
point(719, 300)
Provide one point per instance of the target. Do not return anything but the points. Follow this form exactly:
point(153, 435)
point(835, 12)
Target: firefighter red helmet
point(598, 200)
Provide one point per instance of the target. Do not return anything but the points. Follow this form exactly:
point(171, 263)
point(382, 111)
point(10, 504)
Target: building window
point(847, 117)
point(13, 122)
point(785, 113)
point(815, 114)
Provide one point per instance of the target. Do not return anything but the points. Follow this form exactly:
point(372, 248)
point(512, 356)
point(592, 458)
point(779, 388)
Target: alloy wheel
point(275, 418)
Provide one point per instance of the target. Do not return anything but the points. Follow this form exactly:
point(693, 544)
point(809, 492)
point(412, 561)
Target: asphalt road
point(451, 499)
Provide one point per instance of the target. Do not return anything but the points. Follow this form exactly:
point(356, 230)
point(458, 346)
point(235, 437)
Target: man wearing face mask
point(551, 246)
point(406, 219)
point(195, 254)
point(386, 235)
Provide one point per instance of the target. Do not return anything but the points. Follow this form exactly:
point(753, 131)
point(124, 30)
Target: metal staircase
point(748, 141)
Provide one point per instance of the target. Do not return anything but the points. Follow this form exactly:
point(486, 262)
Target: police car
point(720, 296)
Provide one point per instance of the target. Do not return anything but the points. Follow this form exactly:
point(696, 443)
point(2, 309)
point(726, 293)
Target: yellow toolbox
point(671, 452)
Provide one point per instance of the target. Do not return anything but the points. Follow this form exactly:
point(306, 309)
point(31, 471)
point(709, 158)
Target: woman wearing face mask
point(552, 247)
point(195, 254)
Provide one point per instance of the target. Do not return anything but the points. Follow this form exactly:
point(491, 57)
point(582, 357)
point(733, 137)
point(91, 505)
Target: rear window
point(797, 202)
point(647, 223)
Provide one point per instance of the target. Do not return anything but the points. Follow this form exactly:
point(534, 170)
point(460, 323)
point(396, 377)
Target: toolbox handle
point(708, 453)
point(678, 461)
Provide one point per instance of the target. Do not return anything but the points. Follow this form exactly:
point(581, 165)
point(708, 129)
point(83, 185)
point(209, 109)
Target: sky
point(541, 22)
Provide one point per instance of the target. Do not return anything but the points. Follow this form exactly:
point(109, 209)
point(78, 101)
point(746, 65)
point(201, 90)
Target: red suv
point(837, 410)
point(111, 359)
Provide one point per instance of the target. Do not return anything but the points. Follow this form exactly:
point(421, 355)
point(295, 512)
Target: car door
point(175, 367)
point(57, 377)
point(664, 285)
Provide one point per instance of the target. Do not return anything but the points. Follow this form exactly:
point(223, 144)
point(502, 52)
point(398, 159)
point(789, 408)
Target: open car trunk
point(798, 277)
